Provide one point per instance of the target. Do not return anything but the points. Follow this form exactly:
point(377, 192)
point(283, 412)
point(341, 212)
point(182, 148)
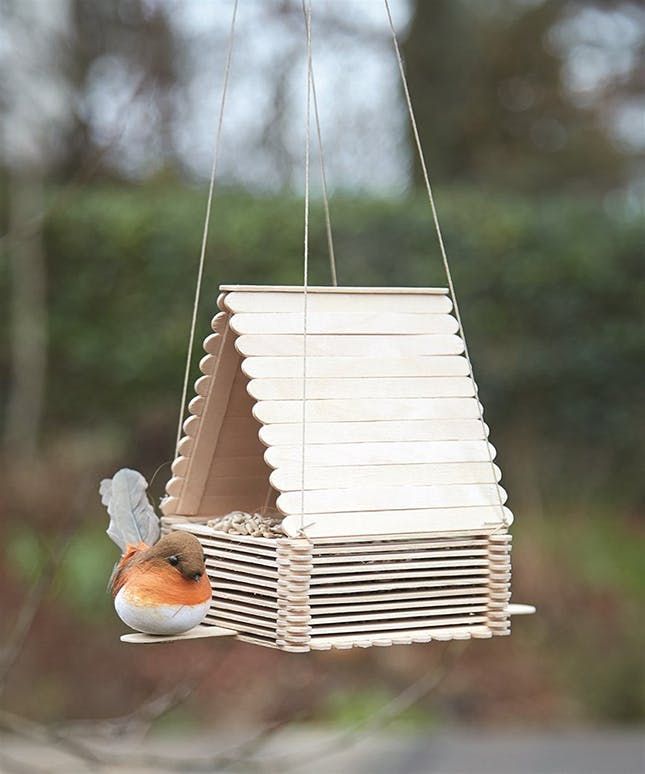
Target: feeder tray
point(399, 534)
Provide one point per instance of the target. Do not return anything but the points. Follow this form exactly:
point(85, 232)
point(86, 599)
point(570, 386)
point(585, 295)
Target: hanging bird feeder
point(336, 467)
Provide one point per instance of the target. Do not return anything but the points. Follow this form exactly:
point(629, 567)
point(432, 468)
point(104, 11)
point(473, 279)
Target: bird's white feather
point(132, 517)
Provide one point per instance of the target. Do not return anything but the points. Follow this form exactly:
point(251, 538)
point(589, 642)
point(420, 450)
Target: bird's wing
point(132, 517)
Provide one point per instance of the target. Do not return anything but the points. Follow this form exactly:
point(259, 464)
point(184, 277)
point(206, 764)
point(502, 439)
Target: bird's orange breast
point(161, 584)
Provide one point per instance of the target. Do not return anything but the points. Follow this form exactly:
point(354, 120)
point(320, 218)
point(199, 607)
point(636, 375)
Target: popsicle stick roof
point(394, 440)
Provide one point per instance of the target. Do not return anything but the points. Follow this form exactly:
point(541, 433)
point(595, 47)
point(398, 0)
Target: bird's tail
point(132, 517)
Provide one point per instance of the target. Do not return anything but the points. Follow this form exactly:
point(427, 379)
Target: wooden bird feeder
point(394, 528)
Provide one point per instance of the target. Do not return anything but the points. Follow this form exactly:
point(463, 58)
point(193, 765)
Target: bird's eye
point(174, 560)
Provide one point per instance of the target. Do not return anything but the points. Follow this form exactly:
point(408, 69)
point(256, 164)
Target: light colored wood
point(251, 569)
point(394, 498)
point(227, 467)
point(288, 478)
point(212, 344)
point(179, 466)
point(185, 445)
point(323, 543)
point(169, 505)
point(137, 638)
point(377, 546)
point(384, 522)
point(337, 303)
point(399, 598)
point(428, 613)
point(402, 563)
point(241, 621)
point(396, 585)
point(209, 426)
point(218, 323)
point(290, 434)
point(240, 403)
point(359, 388)
point(221, 505)
point(237, 485)
point(234, 555)
point(224, 607)
point(218, 620)
point(268, 603)
point(330, 289)
point(340, 367)
point(291, 345)
point(191, 426)
point(473, 574)
point(520, 609)
point(196, 405)
point(391, 626)
point(397, 556)
point(207, 364)
point(408, 637)
point(239, 580)
point(382, 323)
point(395, 545)
point(395, 455)
point(239, 438)
point(201, 530)
point(288, 411)
point(394, 452)
point(229, 547)
point(202, 385)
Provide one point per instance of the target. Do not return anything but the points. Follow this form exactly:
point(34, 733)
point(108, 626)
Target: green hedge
point(552, 294)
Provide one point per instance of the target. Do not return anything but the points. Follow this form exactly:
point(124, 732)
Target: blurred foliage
point(551, 292)
point(492, 99)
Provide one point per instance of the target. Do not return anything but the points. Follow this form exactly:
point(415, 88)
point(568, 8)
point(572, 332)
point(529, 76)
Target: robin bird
point(162, 589)
point(159, 585)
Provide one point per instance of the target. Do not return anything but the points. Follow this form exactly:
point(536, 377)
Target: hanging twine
point(442, 248)
point(209, 204)
point(305, 267)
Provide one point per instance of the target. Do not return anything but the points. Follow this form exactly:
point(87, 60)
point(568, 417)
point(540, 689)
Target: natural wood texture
point(342, 301)
point(374, 431)
point(287, 411)
point(208, 429)
point(288, 478)
point(337, 367)
point(291, 345)
point(315, 289)
point(405, 538)
point(218, 323)
point(358, 388)
point(411, 452)
point(203, 630)
point(299, 595)
point(405, 638)
point(384, 323)
point(385, 522)
point(393, 497)
point(212, 344)
point(207, 364)
point(521, 609)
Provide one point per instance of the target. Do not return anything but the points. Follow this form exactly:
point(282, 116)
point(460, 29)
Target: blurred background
point(532, 115)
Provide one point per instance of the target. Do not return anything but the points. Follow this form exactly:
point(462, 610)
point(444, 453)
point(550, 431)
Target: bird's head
point(182, 551)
